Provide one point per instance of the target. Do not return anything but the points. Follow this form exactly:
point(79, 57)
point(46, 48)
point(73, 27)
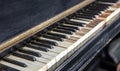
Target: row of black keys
point(38, 44)
point(35, 43)
point(44, 45)
point(89, 11)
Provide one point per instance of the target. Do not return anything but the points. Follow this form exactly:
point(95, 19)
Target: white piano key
point(71, 25)
point(109, 3)
point(32, 65)
point(75, 25)
point(55, 59)
point(68, 36)
point(79, 27)
point(49, 53)
point(63, 44)
point(53, 56)
point(112, 8)
point(72, 38)
point(60, 52)
point(52, 52)
point(89, 28)
point(88, 20)
point(15, 66)
point(46, 57)
point(60, 33)
point(81, 21)
point(24, 60)
point(57, 49)
point(51, 59)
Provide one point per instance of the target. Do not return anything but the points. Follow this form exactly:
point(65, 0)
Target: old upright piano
point(55, 35)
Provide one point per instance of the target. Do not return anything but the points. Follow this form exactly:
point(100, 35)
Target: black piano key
point(94, 12)
point(110, 1)
point(86, 17)
point(53, 37)
point(74, 23)
point(24, 56)
point(66, 28)
point(96, 5)
point(45, 41)
point(15, 62)
point(102, 5)
point(63, 31)
point(36, 47)
point(69, 17)
point(41, 44)
point(73, 27)
point(97, 8)
point(7, 68)
point(37, 54)
point(89, 12)
point(99, 5)
point(84, 14)
point(58, 35)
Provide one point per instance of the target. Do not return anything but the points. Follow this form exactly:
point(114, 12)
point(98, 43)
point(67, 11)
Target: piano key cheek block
point(40, 35)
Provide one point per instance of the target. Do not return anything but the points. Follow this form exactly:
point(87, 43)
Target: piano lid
point(17, 16)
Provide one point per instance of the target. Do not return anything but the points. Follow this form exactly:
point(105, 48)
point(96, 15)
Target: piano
point(55, 35)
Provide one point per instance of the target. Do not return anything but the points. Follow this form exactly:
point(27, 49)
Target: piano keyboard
point(50, 47)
